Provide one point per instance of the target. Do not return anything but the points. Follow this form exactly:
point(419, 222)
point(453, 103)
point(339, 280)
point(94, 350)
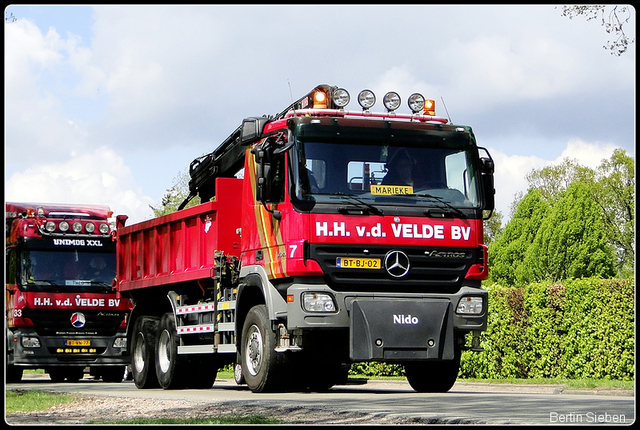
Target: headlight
point(391, 101)
point(30, 342)
point(416, 102)
point(90, 227)
point(366, 99)
point(50, 226)
point(120, 342)
point(63, 226)
point(104, 228)
point(76, 227)
point(341, 97)
point(318, 302)
point(470, 305)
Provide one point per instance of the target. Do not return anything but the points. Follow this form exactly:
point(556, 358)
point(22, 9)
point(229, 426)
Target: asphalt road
point(465, 403)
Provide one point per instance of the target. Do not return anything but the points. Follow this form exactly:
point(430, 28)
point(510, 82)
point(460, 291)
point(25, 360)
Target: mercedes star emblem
point(397, 264)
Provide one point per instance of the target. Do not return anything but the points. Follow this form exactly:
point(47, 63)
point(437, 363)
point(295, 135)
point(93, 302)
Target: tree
point(571, 242)
point(492, 227)
point(614, 191)
point(613, 20)
point(174, 196)
point(552, 181)
point(507, 252)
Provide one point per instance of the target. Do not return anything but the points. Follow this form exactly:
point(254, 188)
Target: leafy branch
point(613, 22)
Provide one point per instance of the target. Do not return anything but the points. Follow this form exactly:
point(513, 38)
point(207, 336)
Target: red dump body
point(155, 252)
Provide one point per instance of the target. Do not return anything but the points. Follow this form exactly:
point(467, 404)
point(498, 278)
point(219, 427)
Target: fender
point(276, 305)
point(148, 309)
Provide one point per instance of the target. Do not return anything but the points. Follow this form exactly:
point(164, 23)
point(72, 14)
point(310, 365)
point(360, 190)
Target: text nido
point(76, 242)
point(405, 320)
point(404, 231)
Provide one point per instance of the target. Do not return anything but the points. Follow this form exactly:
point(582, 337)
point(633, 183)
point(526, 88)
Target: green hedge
point(577, 329)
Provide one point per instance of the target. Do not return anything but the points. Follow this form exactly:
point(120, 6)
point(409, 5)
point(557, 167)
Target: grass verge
point(34, 400)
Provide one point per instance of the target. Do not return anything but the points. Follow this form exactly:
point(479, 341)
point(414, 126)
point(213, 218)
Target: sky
point(109, 104)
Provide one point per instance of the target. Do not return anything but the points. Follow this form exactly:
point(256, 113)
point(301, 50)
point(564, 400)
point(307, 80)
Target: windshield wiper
point(438, 199)
point(369, 207)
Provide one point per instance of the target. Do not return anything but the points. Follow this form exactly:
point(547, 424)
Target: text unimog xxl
point(321, 254)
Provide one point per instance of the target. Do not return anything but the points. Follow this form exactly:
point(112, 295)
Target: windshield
point(67, 271)
point(406, 175)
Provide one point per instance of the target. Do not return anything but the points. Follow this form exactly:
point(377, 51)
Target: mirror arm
point(276, 213)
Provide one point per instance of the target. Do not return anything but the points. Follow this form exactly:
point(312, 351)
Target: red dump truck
point(326, 237)
point(63, 313)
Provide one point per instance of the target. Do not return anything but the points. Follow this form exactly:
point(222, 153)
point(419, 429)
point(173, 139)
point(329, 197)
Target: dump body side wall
point(180, 247)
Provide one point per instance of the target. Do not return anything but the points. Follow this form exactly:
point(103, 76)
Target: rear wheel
point(143, 366)
point(171, 369)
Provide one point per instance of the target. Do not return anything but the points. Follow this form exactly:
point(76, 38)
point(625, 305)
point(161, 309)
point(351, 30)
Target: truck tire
point(257, 352)
point(172, 369)
point(14, 373)
point(113, 373)
point(143, 343)
point(432, 376)
point(202, 372)
point(71, 374)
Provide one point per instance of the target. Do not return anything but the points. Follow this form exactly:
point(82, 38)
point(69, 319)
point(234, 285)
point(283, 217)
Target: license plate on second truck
point(78, 343)
point(357, 263)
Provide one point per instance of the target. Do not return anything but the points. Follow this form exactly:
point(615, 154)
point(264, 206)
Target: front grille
point(432, 269)
point(49, 322)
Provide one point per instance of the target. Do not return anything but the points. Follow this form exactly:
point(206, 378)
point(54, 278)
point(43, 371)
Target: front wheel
point(14, 373)
point(432, 376)
point(257, 352)
point(113, 374)
point(71, 374)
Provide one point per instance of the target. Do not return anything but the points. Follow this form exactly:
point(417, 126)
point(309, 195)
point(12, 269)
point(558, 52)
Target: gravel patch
point(88, 409)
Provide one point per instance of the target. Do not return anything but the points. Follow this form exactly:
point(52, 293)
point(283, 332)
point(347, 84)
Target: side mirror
point(264, 176)
point(251, 129)
point(487, 169)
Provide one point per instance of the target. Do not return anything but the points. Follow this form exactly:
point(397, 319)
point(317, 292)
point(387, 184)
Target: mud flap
point(401, 330)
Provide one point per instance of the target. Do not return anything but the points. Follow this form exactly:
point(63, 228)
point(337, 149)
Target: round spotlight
point(104, 228)
point(366, 99)
point(391, 101)
point(90, 227)
point(50, 226)
point(63, 226)
point(76, 227)
point(416, 102)
point(341, 97)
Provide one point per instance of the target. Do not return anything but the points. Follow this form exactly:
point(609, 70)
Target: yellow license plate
point(78, 343)
point(358, 263)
